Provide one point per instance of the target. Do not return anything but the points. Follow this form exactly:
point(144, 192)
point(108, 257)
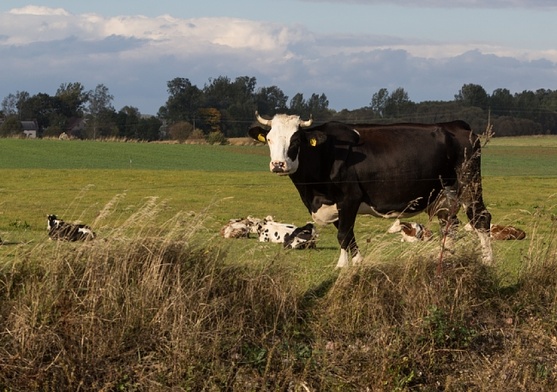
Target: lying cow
point(301, 238)
point(242, 227)
point(290, 236)
point(498, 232)
point(60, 230)
point(503, 233)
point(410, 231)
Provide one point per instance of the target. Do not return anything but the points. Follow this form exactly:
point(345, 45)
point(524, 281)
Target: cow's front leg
point(346, 238)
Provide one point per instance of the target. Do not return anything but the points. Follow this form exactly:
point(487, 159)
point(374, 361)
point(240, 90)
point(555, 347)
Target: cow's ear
point(315, 138)
point(347, 135)
point(342, 133)
point(258, 134)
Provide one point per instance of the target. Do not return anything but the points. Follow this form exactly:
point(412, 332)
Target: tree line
point(225, 108)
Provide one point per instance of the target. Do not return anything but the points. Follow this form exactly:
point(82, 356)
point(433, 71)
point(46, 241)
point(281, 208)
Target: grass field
point(76, 179)
point(160, 302)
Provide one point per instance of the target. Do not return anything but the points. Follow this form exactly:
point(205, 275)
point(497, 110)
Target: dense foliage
point(225, 108)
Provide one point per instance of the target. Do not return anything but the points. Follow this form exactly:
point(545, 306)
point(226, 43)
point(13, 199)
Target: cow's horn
point(262, 120)
point(307, 123)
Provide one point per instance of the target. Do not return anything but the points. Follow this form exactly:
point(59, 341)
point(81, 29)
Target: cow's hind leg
point(480, 219)
point(446, 209)
point(476, 211)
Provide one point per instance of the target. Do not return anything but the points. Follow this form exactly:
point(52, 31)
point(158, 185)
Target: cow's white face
point(283, 147)
point(284, 160)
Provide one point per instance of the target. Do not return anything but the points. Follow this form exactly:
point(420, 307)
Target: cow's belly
point(329, 213)
point(366, 209)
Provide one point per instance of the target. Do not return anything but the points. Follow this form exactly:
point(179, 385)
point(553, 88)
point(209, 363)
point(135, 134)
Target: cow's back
point(399, 163)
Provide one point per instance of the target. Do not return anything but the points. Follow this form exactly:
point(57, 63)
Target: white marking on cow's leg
point(487, 252)
point(357, 258)
point(343, 259)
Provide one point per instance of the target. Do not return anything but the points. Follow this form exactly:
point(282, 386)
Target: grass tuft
point(156, 307)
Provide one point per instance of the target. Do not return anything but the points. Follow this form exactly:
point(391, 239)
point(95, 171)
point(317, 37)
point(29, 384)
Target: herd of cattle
point(305, 237)
point(267, 230)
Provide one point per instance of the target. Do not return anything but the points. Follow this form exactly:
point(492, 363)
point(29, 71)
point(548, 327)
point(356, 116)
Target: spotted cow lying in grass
point(267, 230)
point(242, 227)
point(410, 231)
point(301, 238)
point(289, 235)
point(503, 233)
point(60, 230)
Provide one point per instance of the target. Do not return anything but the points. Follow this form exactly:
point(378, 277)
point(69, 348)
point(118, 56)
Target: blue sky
point(347, 50)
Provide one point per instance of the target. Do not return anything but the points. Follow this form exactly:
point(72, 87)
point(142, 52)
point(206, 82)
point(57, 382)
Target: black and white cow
point(291, 236)
point(396, 170)
point(60, 230)
point(301, 238)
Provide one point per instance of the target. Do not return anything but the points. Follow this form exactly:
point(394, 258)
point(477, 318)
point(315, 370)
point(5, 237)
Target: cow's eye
point(269, 141)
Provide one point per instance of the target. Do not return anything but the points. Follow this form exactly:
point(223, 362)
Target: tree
point(11, 126)
point(9, 105)
point(73, 98)
point(379, 101)
point(473, 95)
point(183, 102)
point(270, 100)
point(39, 107)
point(101, 113)
point(398, 103)
point(12, 103)
point(239, 114)
point(128, 122)
point(298, 104)
point(501, 102)
point(234, 101)
point(211, 117)
point(149, 128)
point(318, 107)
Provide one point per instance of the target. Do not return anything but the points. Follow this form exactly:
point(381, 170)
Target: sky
point(345, 49)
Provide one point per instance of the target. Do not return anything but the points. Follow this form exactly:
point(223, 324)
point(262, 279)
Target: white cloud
point(38, 10)
point(493, 4)
point(134, 56)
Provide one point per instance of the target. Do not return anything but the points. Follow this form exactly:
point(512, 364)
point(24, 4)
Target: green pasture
point(104, 183)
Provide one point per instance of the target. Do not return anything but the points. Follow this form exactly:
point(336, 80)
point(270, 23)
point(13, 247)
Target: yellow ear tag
point(313, 142)
point(261, 138)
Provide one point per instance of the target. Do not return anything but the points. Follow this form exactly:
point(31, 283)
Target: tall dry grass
point(154, 308)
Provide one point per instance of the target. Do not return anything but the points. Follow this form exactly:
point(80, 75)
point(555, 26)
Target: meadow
point(180, 308)
point(76, 179)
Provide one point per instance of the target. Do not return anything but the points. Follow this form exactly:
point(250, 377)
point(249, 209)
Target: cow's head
point(52, 221)
point(284, 139)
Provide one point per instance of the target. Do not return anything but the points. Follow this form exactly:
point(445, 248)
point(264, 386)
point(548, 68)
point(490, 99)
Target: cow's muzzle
point(278, 167)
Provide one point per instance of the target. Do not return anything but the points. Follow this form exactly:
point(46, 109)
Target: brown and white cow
point(410, 231)
point(503, 233)
point(398, 170)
